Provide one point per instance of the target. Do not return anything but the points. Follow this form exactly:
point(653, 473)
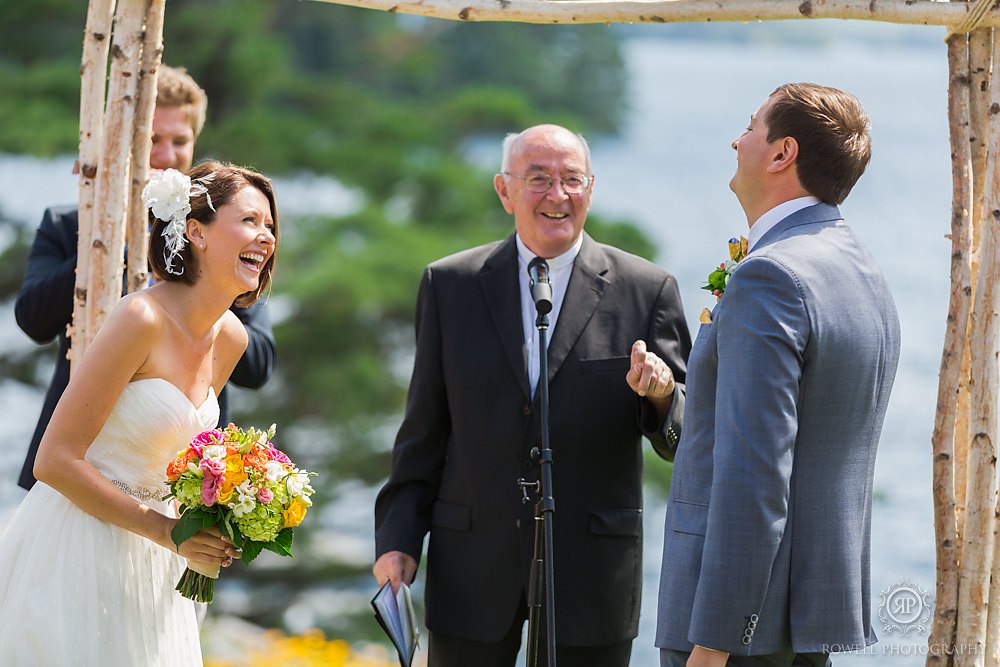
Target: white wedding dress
point(75, 590)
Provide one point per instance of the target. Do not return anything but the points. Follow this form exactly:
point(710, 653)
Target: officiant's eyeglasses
point(539, 183)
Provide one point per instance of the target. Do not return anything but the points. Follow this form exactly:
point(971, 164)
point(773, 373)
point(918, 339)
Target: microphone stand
point(542, 570)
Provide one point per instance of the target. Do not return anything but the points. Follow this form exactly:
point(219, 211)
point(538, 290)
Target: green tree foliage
point(387, 105)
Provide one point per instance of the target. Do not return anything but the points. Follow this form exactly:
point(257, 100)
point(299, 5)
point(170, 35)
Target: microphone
point(541, 287)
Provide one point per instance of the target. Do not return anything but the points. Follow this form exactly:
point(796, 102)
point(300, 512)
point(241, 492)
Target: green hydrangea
point(263, 523)
point(188, 490)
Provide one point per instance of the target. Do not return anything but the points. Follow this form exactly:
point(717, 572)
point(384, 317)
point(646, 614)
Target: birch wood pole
point(93, 65)
point(983, 385)
point(977, 550)
point(104, 284)
point(137, 229)
point(947, 470)
point(914, 12)
point(980, 56)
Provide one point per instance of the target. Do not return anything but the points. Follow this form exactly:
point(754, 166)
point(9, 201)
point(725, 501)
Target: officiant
point(619, 345)
point(44, 305)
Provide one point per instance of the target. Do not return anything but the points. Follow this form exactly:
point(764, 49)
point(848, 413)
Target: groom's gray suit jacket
point(768, 526)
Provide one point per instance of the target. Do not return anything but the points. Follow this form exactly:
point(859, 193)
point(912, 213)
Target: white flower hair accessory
point(168, 195)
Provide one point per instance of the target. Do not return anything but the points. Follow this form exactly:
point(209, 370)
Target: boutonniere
point(719, 278)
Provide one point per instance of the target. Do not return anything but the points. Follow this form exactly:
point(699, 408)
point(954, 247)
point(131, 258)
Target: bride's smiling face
point(238, 242)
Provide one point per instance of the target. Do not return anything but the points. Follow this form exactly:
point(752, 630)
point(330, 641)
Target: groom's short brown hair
point(832, 131)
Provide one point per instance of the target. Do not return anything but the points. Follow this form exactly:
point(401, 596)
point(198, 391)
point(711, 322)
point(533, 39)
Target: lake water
point(668, 172)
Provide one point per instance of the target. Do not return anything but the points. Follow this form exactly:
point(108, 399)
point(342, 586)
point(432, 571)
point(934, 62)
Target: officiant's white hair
point(512, 139)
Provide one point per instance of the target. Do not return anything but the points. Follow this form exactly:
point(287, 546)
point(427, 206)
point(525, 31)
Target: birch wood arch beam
point(913, 12)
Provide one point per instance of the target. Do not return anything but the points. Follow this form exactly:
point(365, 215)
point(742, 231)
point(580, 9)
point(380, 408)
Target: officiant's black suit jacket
point(44, 307)
point(470, 424)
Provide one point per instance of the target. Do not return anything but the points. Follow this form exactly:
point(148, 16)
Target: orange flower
point(295, 513)
point(256, 458)
point(176, 467)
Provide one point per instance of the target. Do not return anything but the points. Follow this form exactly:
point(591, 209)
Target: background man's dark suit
point(470, 423)
point(45, 305)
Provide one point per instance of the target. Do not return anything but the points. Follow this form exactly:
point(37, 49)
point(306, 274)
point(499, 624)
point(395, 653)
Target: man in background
point(44, 305)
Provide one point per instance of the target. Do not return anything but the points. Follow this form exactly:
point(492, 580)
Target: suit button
point(754, 618)
point(746, 640)
point(527, 465)
point(526, 409)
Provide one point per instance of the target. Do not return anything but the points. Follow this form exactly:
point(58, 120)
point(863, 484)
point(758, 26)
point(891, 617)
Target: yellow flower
point(738, 248)
point(225, 492)
point(295, 513)
point(235, 471)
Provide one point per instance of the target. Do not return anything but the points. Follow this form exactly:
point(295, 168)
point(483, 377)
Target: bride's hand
point(208, 546)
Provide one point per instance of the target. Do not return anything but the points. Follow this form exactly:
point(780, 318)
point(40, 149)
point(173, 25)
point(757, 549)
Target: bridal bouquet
point(240, 483)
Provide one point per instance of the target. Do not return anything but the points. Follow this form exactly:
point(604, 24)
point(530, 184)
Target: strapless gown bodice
point(75, 590)
point(151, 421)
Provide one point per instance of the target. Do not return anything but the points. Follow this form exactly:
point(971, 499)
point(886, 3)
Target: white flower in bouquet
point(274, 471)
point(214, 452)
point(297, 483)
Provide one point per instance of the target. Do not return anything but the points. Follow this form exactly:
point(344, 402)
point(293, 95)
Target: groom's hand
point(707, 657)
point(649, 376)
point(395, 566)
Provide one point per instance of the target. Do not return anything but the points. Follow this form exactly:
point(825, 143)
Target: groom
point(767, 539)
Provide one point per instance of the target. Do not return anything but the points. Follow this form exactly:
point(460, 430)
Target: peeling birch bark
point(93, 64)
point(947, 469)
point(107, 247)
point(916, 12)
point(137, 230)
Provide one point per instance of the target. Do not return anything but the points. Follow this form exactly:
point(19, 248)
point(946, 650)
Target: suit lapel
point(498, 278)
point(586, 287)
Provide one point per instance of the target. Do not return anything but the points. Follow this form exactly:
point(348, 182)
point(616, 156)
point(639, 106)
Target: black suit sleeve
point(669, 338)
point(403, 506)
point(257, 362)
point(44, 304)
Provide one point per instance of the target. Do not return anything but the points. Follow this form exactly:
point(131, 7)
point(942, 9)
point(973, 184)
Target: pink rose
point(213, 467)
point(210, 490)
point(276, 454)
point(265, 495)
point(205, 438)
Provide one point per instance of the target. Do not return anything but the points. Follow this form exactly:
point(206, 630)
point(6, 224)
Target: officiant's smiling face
point(549, 222)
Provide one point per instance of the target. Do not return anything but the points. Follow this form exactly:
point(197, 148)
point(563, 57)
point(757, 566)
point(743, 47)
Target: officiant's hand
point(395, 566)
point(650, 377)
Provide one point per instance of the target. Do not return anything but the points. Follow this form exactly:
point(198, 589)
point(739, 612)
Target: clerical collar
point(775, 215)
point(555, 263)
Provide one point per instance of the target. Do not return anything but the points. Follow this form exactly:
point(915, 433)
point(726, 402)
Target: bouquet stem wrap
point(198, 582)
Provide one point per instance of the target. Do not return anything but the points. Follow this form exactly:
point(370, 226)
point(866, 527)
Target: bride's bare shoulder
point(139, 310)
point(232, 332)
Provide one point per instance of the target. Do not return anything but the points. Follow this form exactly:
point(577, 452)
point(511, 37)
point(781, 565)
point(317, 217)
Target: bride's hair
point(221, 185)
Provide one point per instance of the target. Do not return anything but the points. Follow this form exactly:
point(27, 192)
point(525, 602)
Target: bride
point(87, 565)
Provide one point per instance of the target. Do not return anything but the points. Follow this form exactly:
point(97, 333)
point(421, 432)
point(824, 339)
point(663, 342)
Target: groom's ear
point(786, 155)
